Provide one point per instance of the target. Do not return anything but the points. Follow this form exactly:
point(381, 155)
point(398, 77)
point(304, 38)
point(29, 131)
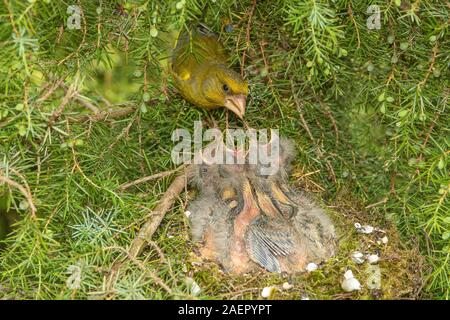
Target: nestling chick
point(199, 66)
point(245, 220)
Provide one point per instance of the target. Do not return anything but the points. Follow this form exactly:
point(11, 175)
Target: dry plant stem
point(430, 68)
point(326, 110)
point(300, 111)
point(155, 278)
point(58, 111)
point(350, 13)
point(87, 104)
point(124, 132)
point(52, 89)
point(162, 257)
point(149, 178)
point(152, 275)
point(101, 116)
point(164, 205)
point(11, 18)
point(157, 215)
point(247, 36)
point(385, 199)
point(24, 191)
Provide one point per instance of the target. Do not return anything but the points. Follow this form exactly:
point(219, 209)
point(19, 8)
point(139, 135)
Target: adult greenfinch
point(199, 66)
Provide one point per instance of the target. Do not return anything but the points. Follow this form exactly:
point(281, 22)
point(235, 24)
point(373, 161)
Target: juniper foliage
point(366, 104)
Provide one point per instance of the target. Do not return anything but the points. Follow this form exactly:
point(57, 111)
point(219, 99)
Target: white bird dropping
point(311, 267)
point(350, 283)
point(366, 229)
point(358, 257)
point(373, 258)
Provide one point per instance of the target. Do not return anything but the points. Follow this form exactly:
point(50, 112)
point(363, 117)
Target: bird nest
point(357, 254)
point(395, 273)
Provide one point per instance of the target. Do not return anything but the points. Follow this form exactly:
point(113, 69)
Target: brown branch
point(164, 205)
point(247, 36)
point(125, 132)
point(24, 191)
point(328, 113)
point(266, 63)
point(83, 101)
point(58, 111)
point(300, 111)
point(104, 115)
point(60, 33)
point(149, 178)
point(162, 257)
point(430, 68)
point(11, 18)
point(430, 130)
point(433, 123)
point(157, 215)
point(385, 199)
point(110, 113)
point(139, 264)
point(52, 89)
point(350, 13)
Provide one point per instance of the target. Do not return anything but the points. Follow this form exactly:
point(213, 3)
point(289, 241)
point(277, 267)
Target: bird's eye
point(225, 88)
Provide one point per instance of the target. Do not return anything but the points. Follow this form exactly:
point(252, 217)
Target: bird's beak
point(236, 104)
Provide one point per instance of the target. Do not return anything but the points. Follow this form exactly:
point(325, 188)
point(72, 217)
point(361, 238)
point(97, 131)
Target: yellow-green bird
point(199, 66)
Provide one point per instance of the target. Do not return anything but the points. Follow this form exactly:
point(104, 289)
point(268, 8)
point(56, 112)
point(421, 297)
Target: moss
point(401, 267)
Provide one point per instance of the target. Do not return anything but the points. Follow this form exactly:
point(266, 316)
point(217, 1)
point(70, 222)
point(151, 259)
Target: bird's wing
point(266, 242)
point(194, 48)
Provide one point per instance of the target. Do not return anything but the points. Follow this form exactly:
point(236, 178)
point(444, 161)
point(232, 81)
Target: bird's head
point(226, 88)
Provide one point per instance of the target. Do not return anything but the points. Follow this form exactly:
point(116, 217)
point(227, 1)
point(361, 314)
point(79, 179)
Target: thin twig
point(11, 18)
point(431, 66)
point(52, 89)
point(104, 115)
point(433, 123)
point(149, 178)
point(82, 100)
point(139, 264)
point(247, 36)
point(157, 215)
point(24, 191)
point(166, 202)
point(266, 63)
point(58, 111)
point(328, 113)
point(377, 203)
point(300, 111)
point(350, 13)
point(162, 257)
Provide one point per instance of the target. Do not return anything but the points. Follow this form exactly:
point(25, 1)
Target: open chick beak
point(236, 104)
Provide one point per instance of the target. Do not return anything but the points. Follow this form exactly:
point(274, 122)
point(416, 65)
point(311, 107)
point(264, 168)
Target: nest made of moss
point(399, 268)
